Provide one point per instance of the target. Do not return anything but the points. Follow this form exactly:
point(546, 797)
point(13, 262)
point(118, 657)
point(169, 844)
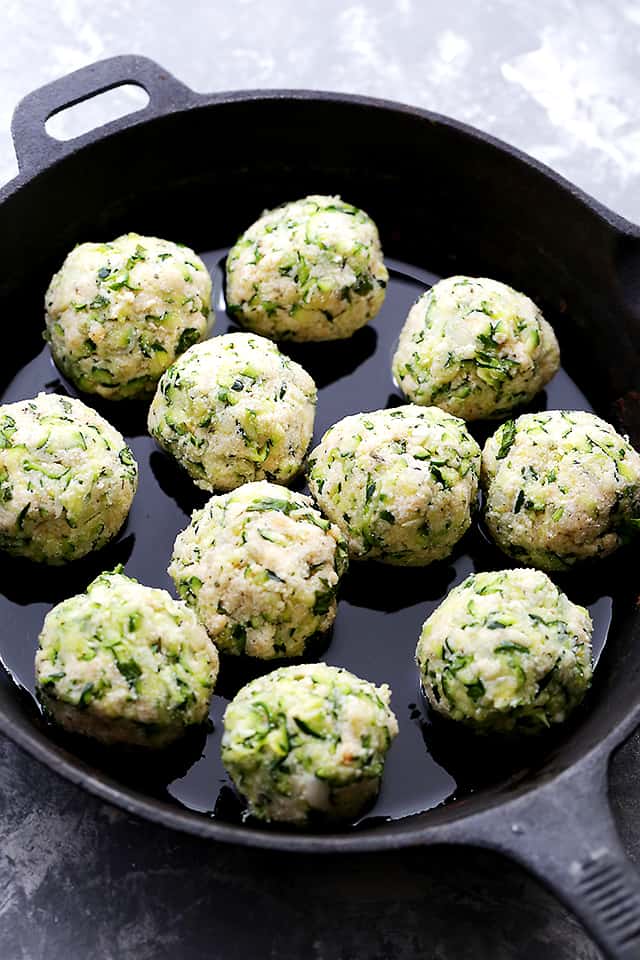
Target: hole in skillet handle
point(36, 149)
point(72, 122)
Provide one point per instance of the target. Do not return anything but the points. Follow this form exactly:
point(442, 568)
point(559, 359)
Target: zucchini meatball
point(401, 484)
point(506, 651)
point(261, 568)
point(67, 479)
point(474, 347)
point(233, 410)
point(125, 664)
point(308, 270)
point(560, 487)
point(117, 314)
point(308, 741)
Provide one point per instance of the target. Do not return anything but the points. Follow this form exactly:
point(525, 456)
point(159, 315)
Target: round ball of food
point(308, 270)
point(67, 479)
point(474, 347)
point(506, 651)
point(235, 409)
point(560, 487)
point(308, 741)
point(117, 314)
point(260, 567)
point(125, 664)
point(401, 484)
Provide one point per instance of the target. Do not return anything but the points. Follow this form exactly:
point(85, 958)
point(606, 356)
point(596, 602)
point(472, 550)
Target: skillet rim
point(61, 149)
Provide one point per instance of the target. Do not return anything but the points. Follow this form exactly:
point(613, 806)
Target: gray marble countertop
point(80, 879)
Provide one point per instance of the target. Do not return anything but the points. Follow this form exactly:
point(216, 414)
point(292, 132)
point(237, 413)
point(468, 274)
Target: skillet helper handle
point(34, 147)
point(565, 834)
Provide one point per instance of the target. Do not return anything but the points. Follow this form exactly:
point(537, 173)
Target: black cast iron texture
point(447, 198)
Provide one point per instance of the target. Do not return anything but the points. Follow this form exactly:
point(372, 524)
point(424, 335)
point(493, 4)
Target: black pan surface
point(381, 609)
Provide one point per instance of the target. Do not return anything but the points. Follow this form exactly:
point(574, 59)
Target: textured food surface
point(125, 663)
point(119, 313)
point(308, 270)
point(401, 484)
point(308, 740)
point(67, 479)
point(234, 409)
point(261, 567)
point(506, 651)
point(560, 487)
point(474, 347)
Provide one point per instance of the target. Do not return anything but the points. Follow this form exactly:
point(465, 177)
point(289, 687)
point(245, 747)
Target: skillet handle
point(565, 834)
point(34, 147)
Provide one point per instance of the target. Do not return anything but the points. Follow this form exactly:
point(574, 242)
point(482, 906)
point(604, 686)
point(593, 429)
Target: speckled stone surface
point(78, 879)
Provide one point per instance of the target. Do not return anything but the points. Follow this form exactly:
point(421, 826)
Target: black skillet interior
point(445, 202)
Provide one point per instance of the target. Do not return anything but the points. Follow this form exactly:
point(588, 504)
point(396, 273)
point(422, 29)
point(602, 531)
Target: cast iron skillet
point(447, 199)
